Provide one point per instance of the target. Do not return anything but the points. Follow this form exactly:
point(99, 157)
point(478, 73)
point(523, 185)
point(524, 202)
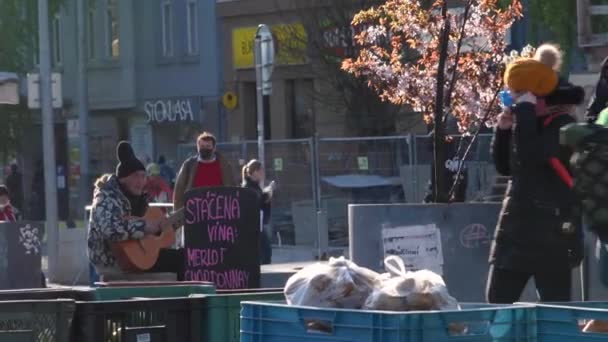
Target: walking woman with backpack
point(538, 232)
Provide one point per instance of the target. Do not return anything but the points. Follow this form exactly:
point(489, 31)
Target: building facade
point(153, 79)
point(307, 95)
point(152, 75)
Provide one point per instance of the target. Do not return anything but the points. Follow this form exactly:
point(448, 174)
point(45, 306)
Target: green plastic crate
point(118, 293)
point(222, 313)
point(150, 320)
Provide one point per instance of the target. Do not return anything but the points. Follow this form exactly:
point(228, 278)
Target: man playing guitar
point(119, 205)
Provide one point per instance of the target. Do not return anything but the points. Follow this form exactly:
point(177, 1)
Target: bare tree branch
point(328, 40)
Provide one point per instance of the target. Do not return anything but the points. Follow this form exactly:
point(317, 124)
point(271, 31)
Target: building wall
point(141, 78)
point(181, 75)
point(295, 112)
point(112, 81)
point(124, 92)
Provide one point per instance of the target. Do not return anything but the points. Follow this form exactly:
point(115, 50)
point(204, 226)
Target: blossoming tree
point(440, 61)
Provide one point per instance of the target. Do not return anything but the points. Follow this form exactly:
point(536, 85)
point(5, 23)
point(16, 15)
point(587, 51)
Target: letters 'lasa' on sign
point(169, 111)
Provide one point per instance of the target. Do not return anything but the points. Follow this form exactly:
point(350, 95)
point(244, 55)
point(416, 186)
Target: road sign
point(33, 90)
point(9, 88)
point(266, 46)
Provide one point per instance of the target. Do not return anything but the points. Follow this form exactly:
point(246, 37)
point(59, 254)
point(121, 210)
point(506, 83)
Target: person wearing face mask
point(7, 211)
point(119, 204)
point(208, 169)
point(538, 233)
point(253, 177)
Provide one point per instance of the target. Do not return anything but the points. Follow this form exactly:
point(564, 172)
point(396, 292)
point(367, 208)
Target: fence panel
point(480, 169)
point(351, 170)
point(289, 164)
point(360, 170)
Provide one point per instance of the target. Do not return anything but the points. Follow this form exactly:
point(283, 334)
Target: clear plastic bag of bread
point(400, 290)
point(338, 284)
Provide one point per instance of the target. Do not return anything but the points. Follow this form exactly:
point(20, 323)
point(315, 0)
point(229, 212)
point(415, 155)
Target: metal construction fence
point(318, 178)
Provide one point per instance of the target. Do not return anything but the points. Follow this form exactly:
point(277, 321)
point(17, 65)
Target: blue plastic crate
point(273, 322)
point(565, 321)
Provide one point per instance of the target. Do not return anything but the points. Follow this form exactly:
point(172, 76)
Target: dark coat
point(530, 233)
point(599, 100)
point(264, 198)
point(14, 183)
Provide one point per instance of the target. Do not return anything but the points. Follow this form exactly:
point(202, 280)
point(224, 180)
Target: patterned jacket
point(110, 222)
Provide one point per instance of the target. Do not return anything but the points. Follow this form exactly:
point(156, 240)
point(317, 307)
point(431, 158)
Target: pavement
point(287, 260)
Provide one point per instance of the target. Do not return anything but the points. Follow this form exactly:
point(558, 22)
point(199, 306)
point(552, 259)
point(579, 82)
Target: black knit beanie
point(127, 162)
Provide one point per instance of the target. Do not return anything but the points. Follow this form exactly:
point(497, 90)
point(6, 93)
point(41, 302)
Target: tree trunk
point(441, 186)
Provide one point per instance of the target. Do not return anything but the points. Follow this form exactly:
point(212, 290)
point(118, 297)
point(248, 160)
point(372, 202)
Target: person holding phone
point(253, 177)
point(538, 233)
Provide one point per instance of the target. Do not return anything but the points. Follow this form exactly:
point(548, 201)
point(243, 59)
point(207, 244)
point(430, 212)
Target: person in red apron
point(7, 211)
point(157, 189)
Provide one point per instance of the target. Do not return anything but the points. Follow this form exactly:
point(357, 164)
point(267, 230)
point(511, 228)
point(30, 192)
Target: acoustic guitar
point(141, 255)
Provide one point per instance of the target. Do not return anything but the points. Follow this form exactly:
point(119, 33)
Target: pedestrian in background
point(14, 183)
point(538, 233)
point(253, 175)
point(208, 169)
point(166, 171)
point(7, 211)
point(599, 101)
point(157, 189)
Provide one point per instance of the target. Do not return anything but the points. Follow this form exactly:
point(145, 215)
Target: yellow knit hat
point(528, 74)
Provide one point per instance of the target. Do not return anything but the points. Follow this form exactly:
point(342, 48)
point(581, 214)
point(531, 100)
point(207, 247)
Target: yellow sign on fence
point(290, 45)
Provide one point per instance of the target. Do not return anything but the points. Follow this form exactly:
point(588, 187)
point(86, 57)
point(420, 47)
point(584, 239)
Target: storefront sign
point(290, 45)
point(73, 128)
point(142, 143)
point(278, 164)
point(363, 163)
point(171, 110)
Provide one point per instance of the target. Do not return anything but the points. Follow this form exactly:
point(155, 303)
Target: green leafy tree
point(18, 49)
point(558, 17)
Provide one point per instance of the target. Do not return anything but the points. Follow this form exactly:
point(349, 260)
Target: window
point(91, 29)
point(167, 27)
point(112, 30)
point(192, 18)
point(299, 102)
point(56, 40)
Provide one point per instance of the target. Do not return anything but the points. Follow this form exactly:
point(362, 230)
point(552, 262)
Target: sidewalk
point(286, 260)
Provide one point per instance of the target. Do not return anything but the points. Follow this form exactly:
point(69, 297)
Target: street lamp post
point(48, 138)
point(83, 103)
point(264, 63)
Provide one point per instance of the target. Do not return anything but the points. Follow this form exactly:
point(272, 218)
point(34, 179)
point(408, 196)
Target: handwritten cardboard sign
point(418, 246)
point(20, 254)
point(222, 237)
